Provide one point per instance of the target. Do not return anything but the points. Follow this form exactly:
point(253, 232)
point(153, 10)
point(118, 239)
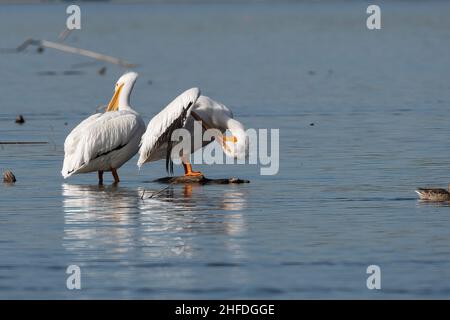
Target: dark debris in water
point(62, 73)
point(20, 119)
point(102, 71)
point(72, 72)
point(46, 73)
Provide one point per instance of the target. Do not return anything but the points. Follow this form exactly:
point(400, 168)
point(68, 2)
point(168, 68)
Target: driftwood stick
point(23, 142)
point(86, 53)
point(69, 49)
point(155, 193)
point(64, 34)
point(199, 180)
point(21, 47)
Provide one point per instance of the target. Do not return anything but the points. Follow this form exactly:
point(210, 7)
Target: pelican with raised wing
point(105, 141)
point(188, 107)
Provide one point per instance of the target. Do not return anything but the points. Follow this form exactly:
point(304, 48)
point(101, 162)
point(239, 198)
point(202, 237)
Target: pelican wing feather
point(96, 136)
point(160, 128)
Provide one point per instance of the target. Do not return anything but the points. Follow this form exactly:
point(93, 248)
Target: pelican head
point(122, 91)
point(236, 146)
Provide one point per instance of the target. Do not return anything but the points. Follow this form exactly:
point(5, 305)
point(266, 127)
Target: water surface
point(342, 200)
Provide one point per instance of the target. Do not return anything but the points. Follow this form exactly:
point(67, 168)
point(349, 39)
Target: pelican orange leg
point(115, 175)
point(188, 170)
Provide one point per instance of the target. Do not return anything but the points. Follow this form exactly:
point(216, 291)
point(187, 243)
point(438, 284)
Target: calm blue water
point(344, 196)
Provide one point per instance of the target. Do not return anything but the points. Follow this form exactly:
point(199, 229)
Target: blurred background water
point(342, 200)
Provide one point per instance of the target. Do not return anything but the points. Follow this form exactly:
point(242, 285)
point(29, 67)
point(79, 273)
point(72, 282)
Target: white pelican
point(105, 141)
point(188, 107)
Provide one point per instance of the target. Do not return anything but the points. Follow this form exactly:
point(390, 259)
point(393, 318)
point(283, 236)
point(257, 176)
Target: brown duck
point(434, 194)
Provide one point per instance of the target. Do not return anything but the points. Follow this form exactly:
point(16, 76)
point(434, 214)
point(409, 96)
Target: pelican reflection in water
point(96, 215)
point(114, 220)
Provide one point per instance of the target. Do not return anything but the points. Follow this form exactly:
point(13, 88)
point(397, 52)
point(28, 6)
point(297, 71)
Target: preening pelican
point(105, 141)
point(188, 107)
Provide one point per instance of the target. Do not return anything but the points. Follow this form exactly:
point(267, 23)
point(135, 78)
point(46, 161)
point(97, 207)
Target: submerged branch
point(154, 193)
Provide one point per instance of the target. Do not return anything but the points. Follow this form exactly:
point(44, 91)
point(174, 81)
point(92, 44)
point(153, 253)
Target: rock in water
point(8, 177)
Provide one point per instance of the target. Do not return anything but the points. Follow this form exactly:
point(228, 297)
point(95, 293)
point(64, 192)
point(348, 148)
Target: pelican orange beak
point(230, 139)
point(114, 103)
point(226, 139)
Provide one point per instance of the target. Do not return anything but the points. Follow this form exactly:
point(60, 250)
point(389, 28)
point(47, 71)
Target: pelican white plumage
point(188, 107)
point(105, 141)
